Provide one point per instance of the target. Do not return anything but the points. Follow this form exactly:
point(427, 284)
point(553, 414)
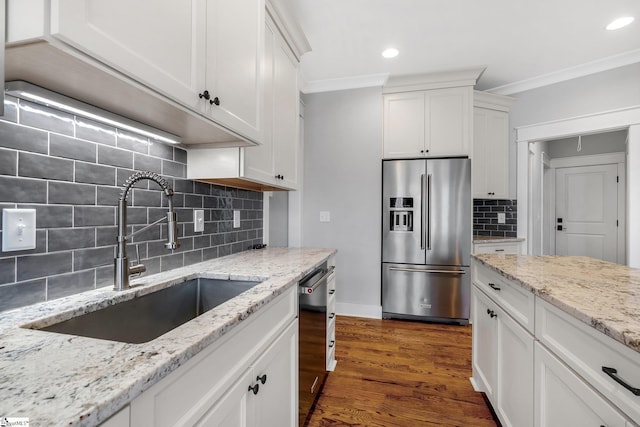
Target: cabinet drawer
point(517, 302)
point(497, 248)
point(564, 399)
point(186, 394)
point(587, 351)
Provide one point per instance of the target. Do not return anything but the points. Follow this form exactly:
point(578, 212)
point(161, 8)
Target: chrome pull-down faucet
point(122, 269)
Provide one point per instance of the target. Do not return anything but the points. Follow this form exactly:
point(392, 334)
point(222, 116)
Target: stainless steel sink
point(147, 317)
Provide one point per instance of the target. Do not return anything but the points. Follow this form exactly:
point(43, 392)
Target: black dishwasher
point(312, 316)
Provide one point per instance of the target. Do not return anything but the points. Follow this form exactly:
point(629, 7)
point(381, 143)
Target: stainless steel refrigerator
point(426, 239)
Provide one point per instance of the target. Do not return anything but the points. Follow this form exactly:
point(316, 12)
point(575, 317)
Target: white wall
point(609, 90)
point(342, 175)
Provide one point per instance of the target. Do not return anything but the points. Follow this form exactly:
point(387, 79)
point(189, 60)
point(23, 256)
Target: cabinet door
point(257, 162)
point(404, 125)
point(448, 121)
point(234, 408)
point(276, 403)
point(235, 40)
point(160, 43)
point(285, 115)
point(485, 342)
point(514, 403)
point(563, 399)
point(490, 154)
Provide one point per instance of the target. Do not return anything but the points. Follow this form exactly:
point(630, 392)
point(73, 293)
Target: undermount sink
point(147, 317)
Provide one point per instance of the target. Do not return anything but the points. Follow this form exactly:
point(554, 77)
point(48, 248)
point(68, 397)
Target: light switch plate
point(325, 216)
point(198, 220)
point(18, 229)
point(236, 219)
point(501, 217)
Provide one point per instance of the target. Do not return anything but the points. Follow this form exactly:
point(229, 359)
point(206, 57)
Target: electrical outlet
point(325, 216)
point(236, 219)
point(198, 220)
point(502, 217)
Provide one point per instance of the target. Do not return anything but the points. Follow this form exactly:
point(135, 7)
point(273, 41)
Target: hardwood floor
point(394, 373)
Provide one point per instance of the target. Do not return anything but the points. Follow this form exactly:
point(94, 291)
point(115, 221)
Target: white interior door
point(587, 211)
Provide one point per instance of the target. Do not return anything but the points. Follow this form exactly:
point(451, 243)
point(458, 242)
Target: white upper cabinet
point(275, 162)
point(428, 123)
point(491, 146)
point(273, 165)
point(192, 68)
point(234, 46)
point(204, 54)
point(429, 115)
point(160, 43)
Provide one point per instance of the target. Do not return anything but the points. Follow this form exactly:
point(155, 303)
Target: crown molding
point(582, 70)
point(356, 82)
point(492, 101)
point(289, 28)
point(435, 80)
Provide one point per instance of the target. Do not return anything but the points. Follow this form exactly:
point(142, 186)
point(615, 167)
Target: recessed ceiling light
point(620, 22)
point(390, 53)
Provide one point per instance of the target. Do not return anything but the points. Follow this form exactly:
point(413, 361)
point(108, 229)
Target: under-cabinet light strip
point(48, 98)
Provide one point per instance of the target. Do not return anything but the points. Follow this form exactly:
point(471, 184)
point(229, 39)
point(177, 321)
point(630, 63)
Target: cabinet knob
point(491, 313)
point(215, 101)
point(204, 95)
point(262, 379)
point(255, 388)
point(491, 194)
point(422, 151)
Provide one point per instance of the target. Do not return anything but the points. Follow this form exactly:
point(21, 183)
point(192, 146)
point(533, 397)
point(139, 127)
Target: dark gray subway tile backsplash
point(71, 170)
point(485, 217)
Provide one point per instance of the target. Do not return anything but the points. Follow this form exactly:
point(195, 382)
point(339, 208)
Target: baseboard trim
point(359, 310)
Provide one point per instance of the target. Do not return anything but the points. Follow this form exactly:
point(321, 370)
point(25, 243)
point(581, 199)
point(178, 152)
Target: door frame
point(626, 118)
point(618, 159)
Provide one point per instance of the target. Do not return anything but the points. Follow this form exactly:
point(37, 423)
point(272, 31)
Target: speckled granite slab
point(56, 379)
point(598, 293)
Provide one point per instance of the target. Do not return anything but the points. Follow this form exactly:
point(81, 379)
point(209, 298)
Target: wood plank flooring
point(394, 373)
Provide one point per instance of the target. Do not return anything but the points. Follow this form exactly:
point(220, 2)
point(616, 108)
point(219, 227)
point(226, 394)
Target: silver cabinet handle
point(423, 209)
point(420, 270)
point(429, 212)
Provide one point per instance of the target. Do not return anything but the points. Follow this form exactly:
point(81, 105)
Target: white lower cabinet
point(331, 318)
point(265, 394)
point(498, 248)
point(248, 377)
point(503, 361)
point(540, 366)
point(564, 399)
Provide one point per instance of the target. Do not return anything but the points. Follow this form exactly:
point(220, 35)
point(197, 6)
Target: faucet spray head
point(172, 231)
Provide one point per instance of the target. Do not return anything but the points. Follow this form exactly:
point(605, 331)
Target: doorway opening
point(577, 196)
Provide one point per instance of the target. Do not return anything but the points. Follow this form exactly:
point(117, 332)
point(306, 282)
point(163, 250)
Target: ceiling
point(523, 44)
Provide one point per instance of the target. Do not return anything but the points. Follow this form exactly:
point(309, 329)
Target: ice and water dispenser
point(401, 211)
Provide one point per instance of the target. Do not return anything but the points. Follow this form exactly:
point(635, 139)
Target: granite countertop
point(601, 294)
point(57, 379)
point(495, 239)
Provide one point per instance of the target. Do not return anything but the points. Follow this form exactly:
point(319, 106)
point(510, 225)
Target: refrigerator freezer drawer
point(437, 293)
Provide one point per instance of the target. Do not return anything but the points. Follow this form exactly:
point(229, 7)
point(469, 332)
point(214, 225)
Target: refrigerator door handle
point(429, 177)
point(423, 209)
point(428, 270)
